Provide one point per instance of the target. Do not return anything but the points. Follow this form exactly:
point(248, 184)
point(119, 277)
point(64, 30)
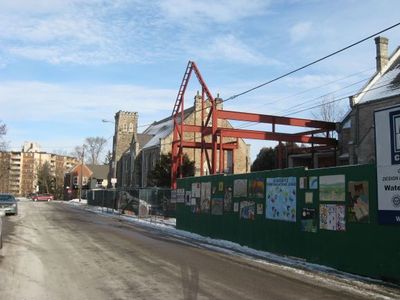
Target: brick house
point(91, 177)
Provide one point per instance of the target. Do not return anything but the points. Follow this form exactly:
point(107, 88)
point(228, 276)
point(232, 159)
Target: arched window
point(130, 127)
point(125, 127)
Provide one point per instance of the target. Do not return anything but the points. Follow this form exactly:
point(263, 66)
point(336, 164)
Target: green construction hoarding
point(326, 216)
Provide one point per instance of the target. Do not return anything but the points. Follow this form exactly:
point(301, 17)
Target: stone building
point(125, 127)
point(356, 131)
point(146, 148)
point(19, 169)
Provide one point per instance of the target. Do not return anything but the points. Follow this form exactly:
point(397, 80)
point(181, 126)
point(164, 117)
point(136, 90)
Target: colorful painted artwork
point(240, 188)
point(236, 206)
point(358, 201)
point(196, 190)
point(173, 196)
point(228, 199)
point(303, 182)
point(332, 217)
point(205, 196)
point(180, 195)
point(247, 210)
point(332, 188)
point(188, 195)
point(309, 220)
point(313, 182)
point(217, 206)
point(256, 188)
point(281, 199)
point(309, 197)
point(260, 209)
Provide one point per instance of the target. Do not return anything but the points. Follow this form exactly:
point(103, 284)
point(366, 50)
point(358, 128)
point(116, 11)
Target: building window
point(125, 127)
point(130, 127)
point(75, 180)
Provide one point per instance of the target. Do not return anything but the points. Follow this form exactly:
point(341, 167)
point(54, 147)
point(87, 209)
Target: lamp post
point(113, 173)
point(81, 175)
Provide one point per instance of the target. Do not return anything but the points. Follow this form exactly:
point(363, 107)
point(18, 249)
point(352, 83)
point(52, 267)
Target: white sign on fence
point(387, 141)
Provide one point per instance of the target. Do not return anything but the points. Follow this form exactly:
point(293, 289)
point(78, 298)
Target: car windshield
point(6, 198)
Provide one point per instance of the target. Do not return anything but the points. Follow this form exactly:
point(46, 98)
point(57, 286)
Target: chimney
point(381, 52)
point(219, 102)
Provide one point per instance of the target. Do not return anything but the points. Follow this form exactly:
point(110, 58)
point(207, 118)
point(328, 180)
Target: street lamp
point(113, 172)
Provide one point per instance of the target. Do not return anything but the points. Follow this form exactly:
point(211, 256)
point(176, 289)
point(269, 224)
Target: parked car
point(42, 197)
point(30, 195)
point(8, 204)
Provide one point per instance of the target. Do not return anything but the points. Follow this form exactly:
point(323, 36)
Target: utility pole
point(81, 175)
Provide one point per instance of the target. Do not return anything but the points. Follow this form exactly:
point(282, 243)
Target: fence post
point(102, 204)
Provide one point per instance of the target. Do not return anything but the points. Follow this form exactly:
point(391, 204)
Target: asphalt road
point(54, 251)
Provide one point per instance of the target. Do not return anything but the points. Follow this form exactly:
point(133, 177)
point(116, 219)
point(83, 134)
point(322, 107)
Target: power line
point(339, 99)
point(315, 87)
point(310, 100)
point(311, 63)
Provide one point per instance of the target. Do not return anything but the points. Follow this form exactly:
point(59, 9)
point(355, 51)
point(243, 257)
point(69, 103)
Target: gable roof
point(77, 168)
point(143, 139)
point(99, 171)
point(383, 84)
point(161, 129)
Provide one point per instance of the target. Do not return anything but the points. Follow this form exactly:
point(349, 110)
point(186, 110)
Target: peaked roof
point(161, 129)
point(383, 84)
point(77, 168)
point(143, 139)
point(99, 171)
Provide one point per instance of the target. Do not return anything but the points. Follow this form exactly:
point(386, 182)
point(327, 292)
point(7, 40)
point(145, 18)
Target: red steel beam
point(227, 146)
point(196, 128)
point(252, 117)
point(266, 135)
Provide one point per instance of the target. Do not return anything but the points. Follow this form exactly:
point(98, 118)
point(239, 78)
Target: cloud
point(81, 103)
point(300, 31)
point(206, 11)
point(80, 32)
point(230, 48)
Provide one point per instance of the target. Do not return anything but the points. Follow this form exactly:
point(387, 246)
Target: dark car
point(42, 197)
point(8, 204)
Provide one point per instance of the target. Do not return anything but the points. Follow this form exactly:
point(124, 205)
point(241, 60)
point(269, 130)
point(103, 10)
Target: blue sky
point(67, 64)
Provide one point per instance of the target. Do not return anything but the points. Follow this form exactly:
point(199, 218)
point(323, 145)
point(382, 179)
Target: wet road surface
point(54, 251)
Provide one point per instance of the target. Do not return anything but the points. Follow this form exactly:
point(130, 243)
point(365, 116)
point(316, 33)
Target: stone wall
point(359, 139)
point(125, 127)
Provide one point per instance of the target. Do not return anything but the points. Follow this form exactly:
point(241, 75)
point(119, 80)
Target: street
point(55, 251)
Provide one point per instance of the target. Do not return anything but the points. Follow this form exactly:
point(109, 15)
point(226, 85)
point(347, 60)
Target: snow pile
point(83, 201)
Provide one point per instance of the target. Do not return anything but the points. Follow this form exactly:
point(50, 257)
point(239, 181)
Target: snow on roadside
point(83, 201)
point(363, 286)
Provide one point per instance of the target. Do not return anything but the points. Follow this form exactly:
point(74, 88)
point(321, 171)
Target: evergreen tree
point(161, 174)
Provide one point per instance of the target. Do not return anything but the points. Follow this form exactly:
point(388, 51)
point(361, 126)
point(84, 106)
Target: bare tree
point(78, 152)
point(90, 150)
point(93, 147)
point(329, 110)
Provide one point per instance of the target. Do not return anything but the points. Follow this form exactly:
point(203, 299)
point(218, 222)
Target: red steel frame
point(209, 127)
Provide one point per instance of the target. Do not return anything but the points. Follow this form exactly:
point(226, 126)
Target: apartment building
point(19, 169)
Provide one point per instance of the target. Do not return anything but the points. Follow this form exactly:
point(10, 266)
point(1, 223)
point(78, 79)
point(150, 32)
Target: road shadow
point(190, 281)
